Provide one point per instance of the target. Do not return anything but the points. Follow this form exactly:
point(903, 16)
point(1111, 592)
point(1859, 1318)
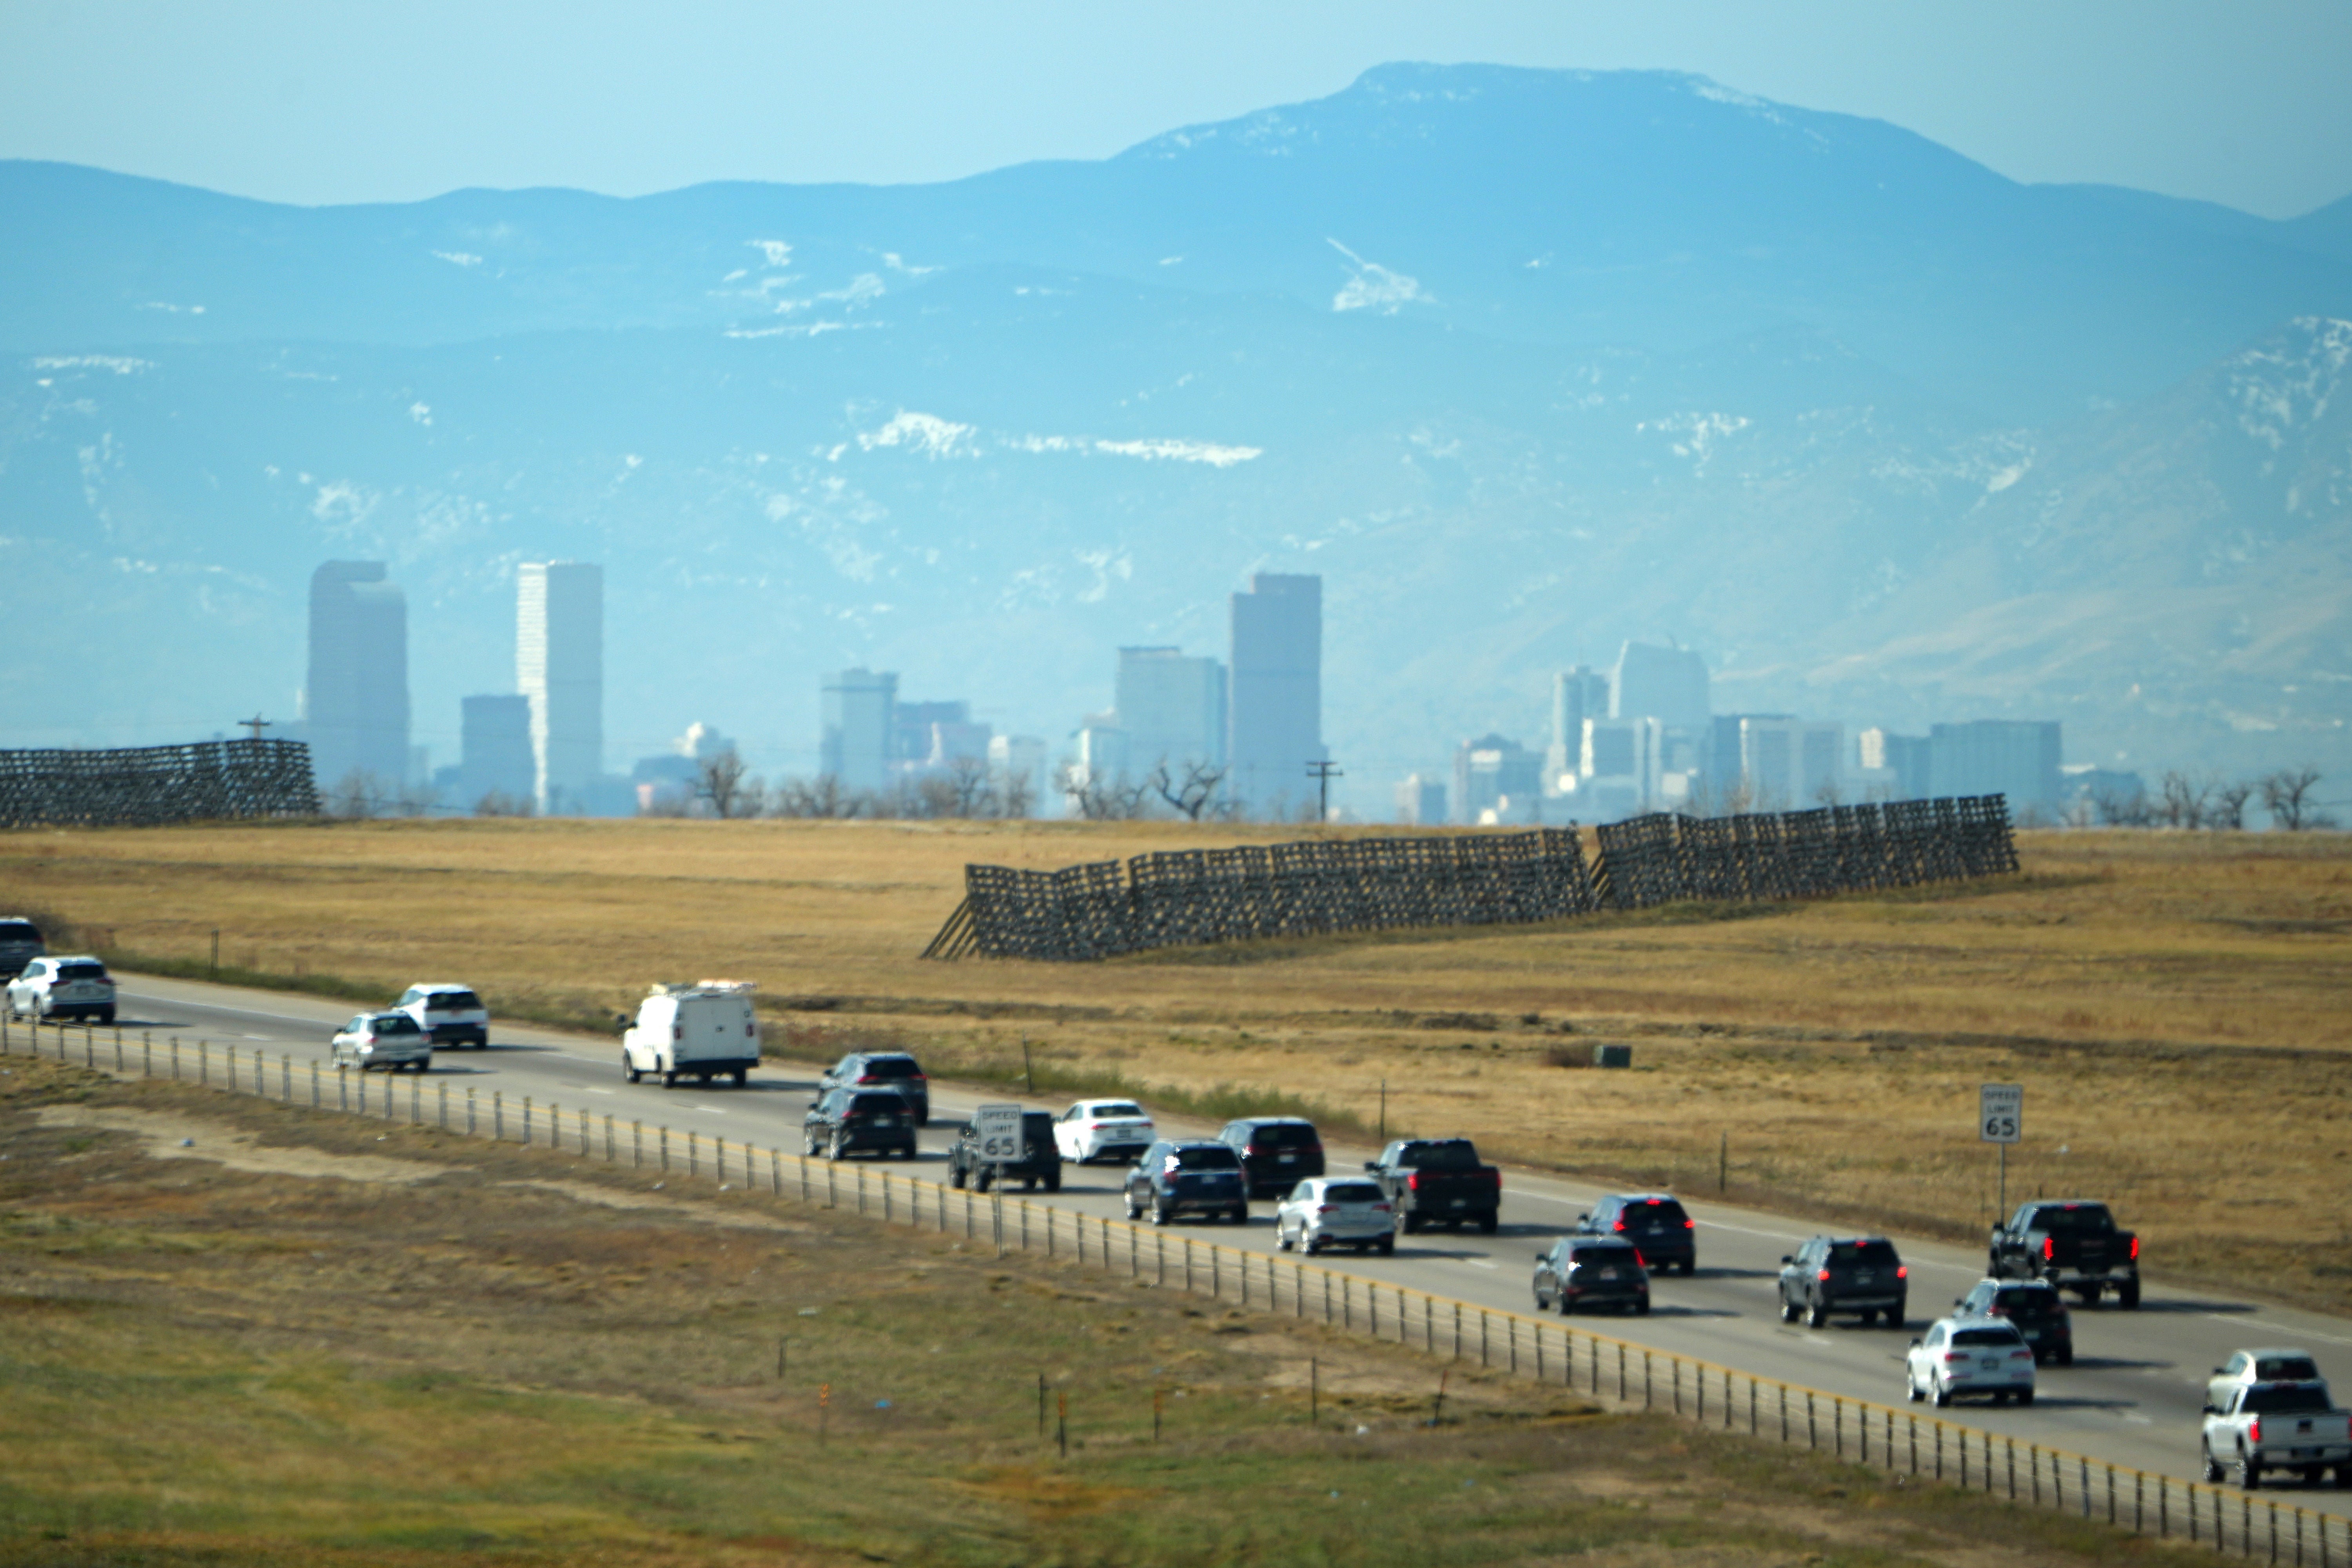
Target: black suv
point(1589, 1271)
point(1188, 1175)
point(2034, 1306)
point(895, 1070)
point(1845, 1274)
point(1278, 1151)
point(844, 1121)
point(1654, 1221)
point(1040, 1164)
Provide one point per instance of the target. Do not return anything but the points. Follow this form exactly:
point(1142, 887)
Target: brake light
point(2134, 1249)
point(1618, 1226)
point(1380, 1208)
point(2049, 1248)
point(1902, 1271)
point(866, 1078)
point(1690, 1225)
point(1823, 1276)
point(2026, 1353)
point(1951, 1356)
point(2254, 1430)
point(1412, 1182)
point(1325, 1208)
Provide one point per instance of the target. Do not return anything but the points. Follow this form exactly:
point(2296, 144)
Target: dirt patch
point(180, 1135)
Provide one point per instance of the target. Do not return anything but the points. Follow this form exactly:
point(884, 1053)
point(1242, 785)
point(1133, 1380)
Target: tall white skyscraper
point(1273, 715)
point(355, 695)
point(1173, 709)
point(560, 668)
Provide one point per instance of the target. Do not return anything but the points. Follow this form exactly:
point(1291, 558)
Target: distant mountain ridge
point(1524, 362)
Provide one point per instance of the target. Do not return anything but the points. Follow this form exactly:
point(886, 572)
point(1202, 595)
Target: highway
point(2131, 1397)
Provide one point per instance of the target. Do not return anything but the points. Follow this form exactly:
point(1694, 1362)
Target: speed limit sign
point(998, 1130)
point(2000, 1112)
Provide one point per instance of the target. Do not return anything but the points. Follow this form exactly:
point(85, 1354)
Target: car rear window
point(1603, 1254)
point(1651, 1212)
point(1207, 1157)
point(2001, 1336)
point(875, 1105)
point(1353, 1192)
point(81, 971)
point(1037, 1123)
point(1283, 1135)
point(892, 1067)
point(1115, 1111)
point(1864, 1254)
point(1455, 1154)
point(2286, 1399)
point(452, 1001)
point(19, 930)
point(2075, 1219)
point(395, 1023)
point(2286, 1369)
point(2025, 1301)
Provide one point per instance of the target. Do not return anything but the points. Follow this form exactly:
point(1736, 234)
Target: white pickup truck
point(2263, 1426)
point(701, 1031)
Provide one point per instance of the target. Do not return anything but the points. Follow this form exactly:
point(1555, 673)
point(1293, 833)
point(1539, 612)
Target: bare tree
point(2227, 810)
point(970, 790)
point(1190, 796)
point(2183, 801)
point(719, 779)
point(359, 794)
point(2286, 796)
point(2116, 809)
point(1100, 799)
point(1827, 792)
point(498, 803)
point(1016, 793)
point(823, 796)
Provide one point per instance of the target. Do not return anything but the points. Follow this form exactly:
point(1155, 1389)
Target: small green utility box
point(1612, 1056)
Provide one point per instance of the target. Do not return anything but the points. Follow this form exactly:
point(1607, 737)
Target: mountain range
point(1523, 362)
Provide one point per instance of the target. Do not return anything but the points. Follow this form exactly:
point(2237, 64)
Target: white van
point(701, 1031)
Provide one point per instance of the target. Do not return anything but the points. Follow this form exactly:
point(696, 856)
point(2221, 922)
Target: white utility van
point(700, 1031)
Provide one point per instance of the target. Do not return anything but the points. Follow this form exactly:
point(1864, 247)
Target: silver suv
point(448, 1015)
point(75, 987)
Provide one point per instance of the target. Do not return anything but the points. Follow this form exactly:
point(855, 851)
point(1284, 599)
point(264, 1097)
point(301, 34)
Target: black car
point(844, 1121)
point(1040, 1164)
point(1278, 1151)
point(1592, 1271)
point(895, 1070)
point(1188, 1175)
point(1860, 1274)
point(2034, 1306)
point(1654, 1221)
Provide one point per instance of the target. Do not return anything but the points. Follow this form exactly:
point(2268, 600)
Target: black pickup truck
point(1439, 1180)
point(2074, 1244)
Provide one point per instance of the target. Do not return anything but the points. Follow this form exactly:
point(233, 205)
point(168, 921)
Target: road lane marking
point(1480, 1263)
point(595, 1091)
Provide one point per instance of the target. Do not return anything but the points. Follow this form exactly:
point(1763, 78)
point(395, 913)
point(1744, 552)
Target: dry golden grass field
point(2175, 1004)
point(297, 1338)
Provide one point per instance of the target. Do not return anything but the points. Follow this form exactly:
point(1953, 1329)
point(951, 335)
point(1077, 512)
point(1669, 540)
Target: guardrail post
point(2083, 1487)
point(526, 1121)
point(661, 1147)
point(147, 1053)
point(1649, 1380)
point(203, 1057)
point(175, 1048)
point(636, 1135)
point(286, 1078)
point(117, 1047)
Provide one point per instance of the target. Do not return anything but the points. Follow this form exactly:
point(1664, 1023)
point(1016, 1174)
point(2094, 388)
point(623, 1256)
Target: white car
point(75, 987)
point(1336, 1211)
point(1095, 1130)
point(387, 1040)
point(449, 1015)
point(1971, 1355)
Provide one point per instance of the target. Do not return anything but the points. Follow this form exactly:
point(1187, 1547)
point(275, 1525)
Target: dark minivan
point(845, 1122)
point(1278, 1151)
point(1590, 1271)
point(1654, 1221)
point(894, 1070)
point(2034, 1306)
point(20, 944)
point(1190, 1175)
point(1858, 1274)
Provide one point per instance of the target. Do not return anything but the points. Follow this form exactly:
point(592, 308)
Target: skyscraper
point(559, 667)
point(355, 697)
point(496, 758)
point(1576, 695)
point(1668, 684)
point(1275, 708)
point(2016, 758)
point(1173, 709)
point(860, 728)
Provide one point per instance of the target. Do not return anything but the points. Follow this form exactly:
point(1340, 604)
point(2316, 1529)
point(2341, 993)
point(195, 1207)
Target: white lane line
point(2137, 1419)
point(1480, 1263)
point(593, 1090)
point(711, 1109)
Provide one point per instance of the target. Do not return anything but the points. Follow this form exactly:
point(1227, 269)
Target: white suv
point(1971, 1355)
point(75, 987)
point(449, 1015)
point(1103, 1130)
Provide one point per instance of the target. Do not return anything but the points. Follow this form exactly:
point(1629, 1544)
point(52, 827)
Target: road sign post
point(997, 1130)
point(2000, 1120)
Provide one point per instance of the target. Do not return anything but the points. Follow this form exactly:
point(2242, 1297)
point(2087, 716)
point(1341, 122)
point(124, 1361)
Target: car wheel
point(1134, 1209)
point(629, 1071)
point(1896, 1313)
point(1788, 1310)
point(742, 1077)
point(982, 1177)
point(106, 1014)
point(1911, 1387)
point(838, 1148)
point(1943, 1396)
point(1541, 1305)
point(812, 1145)
point(1489, 1222)
point(1817, 1314)
point(2065, 1357)
point(955, 1175)
point(1281, 1238)
point(2127, 1296)
point(1240, 1214)
point(1161, 1214)
point(1387, 1246)
point(1309, 1245)
point(670, 1079)
point(2208, 1466)
point(1413, 1223)
point(1054, 1180)
point(2091, 1294)
point(2249, 1472)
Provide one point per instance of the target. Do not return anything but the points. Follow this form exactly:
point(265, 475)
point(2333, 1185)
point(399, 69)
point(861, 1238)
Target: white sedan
point(1971, 1355)
point(63, 988)
point(1336, 1211)
point(1095, 1130)
point(387, 1040)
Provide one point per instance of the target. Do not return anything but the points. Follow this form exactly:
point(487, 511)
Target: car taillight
point(1325, 1208)
point(1690, 1225)
point(2020, 1352)
point(1996, 1312)
point(1618, 1226)
point(2254, 1431)
point(1380, 1208)
point(1823, 1276)
point(866, 1078)
point(1950, 1357)
point(677, 1031)
point(1412, 1182)
point(2134, 1249)
point(2049, 1248)
point(1902, 1271)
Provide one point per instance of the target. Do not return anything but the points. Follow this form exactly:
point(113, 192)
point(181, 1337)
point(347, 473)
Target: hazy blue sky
point(323, 100)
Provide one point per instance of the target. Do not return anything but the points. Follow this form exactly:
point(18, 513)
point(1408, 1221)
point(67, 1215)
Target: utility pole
point(1323, 773)
point(257, 724)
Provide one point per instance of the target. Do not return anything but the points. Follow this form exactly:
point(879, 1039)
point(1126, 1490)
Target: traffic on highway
point(2045, 1333)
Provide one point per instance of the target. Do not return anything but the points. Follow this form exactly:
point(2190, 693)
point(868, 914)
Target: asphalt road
point(2131, 1397)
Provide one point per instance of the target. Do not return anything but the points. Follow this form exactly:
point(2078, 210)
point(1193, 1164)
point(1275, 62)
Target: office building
point(1421, 802)
point(1576, 695)
point(1273, 714)
point(560, 668)
point(1497, 780)
point(495, 754)
point(1173, 709)
point(860, 728)
point(355, 694)
point(2018, 758)
point(1017, 766)
point(1892, 767)
point(1620, 769)
point(1789, 764)
point(1668, 684)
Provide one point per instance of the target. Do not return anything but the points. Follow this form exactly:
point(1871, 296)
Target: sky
point(321, 102)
